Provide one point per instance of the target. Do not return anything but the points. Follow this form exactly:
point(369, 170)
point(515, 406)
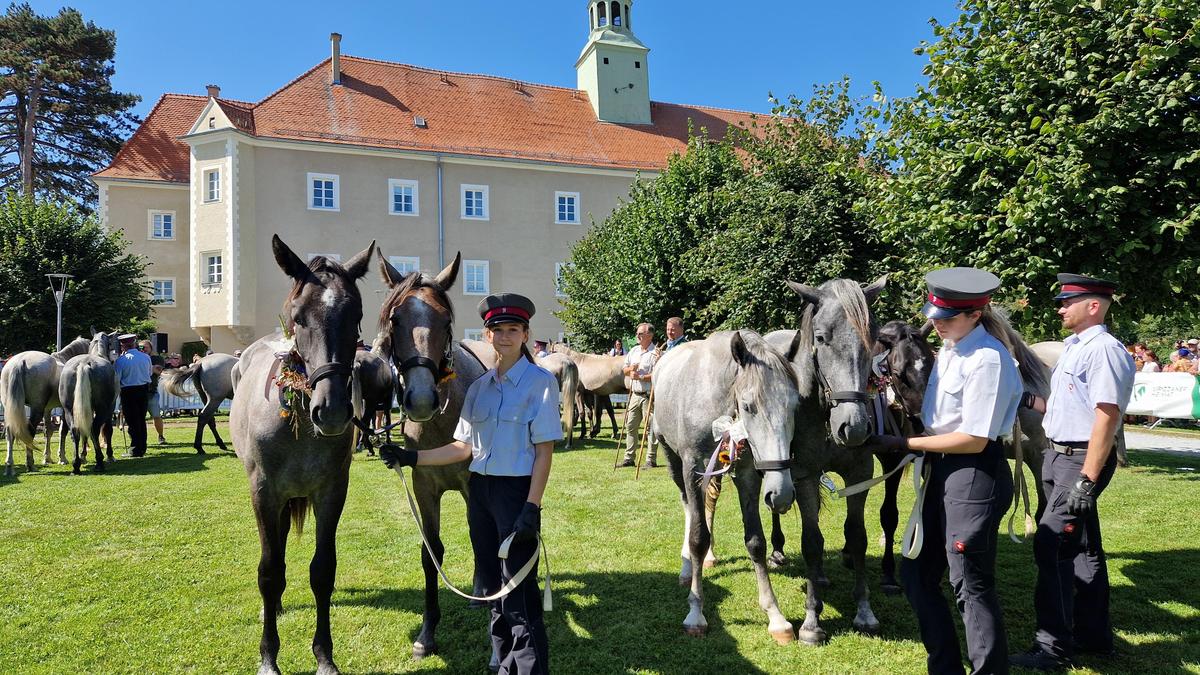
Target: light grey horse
point(567, 374)
point(88, 390)
point(831, 354)
point(212, 378)
point(599, 377)
point(417, 323)
point(374, 386)
point(31, 379)
point(303, 458)
point(735, 374)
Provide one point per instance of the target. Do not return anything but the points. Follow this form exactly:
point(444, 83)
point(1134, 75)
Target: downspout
point(440, 217)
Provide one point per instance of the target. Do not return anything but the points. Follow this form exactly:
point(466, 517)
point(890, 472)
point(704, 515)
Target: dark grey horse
point(417, 323)
point(212, 378)
point(375, 386)
point(304, 458)
point(31, 379)
point(88, 389)
point(737, 375)
point(832, 354)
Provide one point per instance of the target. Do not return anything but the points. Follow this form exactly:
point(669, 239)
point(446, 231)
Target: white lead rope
point(914, 532)
point(539, 551)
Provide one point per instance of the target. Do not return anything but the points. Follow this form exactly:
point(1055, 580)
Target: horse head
point(323, 311)
point(909, 363)
point(417, 320)
point(837, 338)
point(767, 398)
point(103, 345)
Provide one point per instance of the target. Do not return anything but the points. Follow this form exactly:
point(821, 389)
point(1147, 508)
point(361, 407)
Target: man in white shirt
point(639, 363)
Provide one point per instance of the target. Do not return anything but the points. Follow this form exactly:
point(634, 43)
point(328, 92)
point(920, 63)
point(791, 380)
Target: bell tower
point(613, 68)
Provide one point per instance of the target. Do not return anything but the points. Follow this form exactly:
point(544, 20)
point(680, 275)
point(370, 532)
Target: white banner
point(1171, 395)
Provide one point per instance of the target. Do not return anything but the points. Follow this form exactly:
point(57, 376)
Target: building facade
point(428, 164)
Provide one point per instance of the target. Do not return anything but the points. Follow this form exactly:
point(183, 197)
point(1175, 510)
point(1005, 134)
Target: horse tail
point(570, 386)
point(298, 506)
point(13, 401)
point(81, 407)
point(356, 393)
point(175, 378)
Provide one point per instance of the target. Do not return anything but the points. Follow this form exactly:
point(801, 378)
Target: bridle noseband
point(835, 398)
point(328, 370)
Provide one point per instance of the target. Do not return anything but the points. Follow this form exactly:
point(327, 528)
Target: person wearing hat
point(970, 402)
point(1089, 391)
point(539, 349)
point(508, 427)
point(135, 371)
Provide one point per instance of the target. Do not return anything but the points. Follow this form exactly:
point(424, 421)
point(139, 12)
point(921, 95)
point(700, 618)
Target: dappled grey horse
point(831, 354)
point(417, 324)
point(31, 379)
point(212, 378)
point(301, 459)
point(375, 386)
point(736, 375)
point(88, 389)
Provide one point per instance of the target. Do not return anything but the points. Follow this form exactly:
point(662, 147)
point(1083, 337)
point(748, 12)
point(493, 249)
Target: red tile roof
point(378, 102)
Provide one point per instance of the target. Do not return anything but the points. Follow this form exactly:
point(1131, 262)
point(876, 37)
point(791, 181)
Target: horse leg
point(9, 442)
point(62, 442)
point(812, 544)
point(78, 457)
point(612, 416)
point(48, 420)
point(97, 423)
point(889, 520)
point(327, 507)
point(749, 484)
point(698, 541)
point(429, 503)
point(855, 529)
point(273, 523)
point(107, 428)
point(711, 495)
point(212, 424)
point(198, 442)
point(35, 416)
point(777, 559)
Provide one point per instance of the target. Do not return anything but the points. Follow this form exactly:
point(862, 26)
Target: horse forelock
point(322, 271)
point(762, 361)
point(854, 303)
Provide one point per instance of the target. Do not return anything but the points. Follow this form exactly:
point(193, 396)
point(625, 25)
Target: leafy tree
point(109, 288)
point(60, 119)
point(1053, 135)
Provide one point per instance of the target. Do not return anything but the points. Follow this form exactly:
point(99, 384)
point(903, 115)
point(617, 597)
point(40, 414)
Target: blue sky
point(724, 54)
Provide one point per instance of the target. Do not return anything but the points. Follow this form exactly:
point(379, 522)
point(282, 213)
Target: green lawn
point(151, 567)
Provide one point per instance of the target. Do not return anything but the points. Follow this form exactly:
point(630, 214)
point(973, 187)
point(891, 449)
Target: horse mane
point(412, 283)
point(761, 359)
point(79, 345)
point(319, 265)
point(1033, 371)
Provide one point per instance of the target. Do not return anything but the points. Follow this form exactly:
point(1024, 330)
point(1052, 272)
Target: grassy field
point(151, 567)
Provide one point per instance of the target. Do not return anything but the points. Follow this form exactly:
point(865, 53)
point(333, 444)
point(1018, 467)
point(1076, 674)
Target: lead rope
point(1020, 488)
point(914, 531)
point(539, 552)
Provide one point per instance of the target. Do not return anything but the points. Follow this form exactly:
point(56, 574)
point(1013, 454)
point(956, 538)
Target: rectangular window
point(566, 207)
point(212, 270)
point(162, 225)
point(323, 192)
point(473, 334)
point(475, 202)
point(476, 277)
point(335, 257)
point(402, 197)
point(405, 264)
point(164, 291)
point(212, 185)
point(559, 289)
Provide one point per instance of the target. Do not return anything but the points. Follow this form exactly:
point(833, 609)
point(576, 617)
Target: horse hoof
point(268, 669)
point(890, 587)
point(420, 650)
point(813, 638)
point(696, 631)
point(710, 563)
point(328, 669)
point(776, 560)
point(871, 629)
point(783, 637)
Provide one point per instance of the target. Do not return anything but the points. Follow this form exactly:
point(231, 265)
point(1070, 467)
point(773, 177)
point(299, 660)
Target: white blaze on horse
point(739, 376)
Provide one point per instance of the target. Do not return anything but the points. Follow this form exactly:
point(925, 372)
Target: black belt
point(1069, 448)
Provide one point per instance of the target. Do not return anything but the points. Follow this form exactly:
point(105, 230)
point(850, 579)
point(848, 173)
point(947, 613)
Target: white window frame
point(462, 201)
point(335, 257)
point(337, 191)
point(150, 215)
point(211, 196)
point(394, 183)
point(487, 277)
point(205, 280)
point(165, 303)
point(569, 195)
point(473, 334)
point(558, 268)
point(402, 261)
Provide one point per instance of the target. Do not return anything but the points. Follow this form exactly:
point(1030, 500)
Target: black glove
point(528, 524)
point(394, 455)
point(887, 443)
point(1082, 500)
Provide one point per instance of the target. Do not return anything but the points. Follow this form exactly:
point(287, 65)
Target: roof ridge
point(294, 80)
point(439, 71)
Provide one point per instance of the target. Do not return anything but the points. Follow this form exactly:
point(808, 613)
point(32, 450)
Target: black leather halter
point(421, 362)
point(328, 370)
point(772, 464)
point(834, 398)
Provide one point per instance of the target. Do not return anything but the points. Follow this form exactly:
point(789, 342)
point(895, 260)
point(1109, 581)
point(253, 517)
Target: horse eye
point(819, 338)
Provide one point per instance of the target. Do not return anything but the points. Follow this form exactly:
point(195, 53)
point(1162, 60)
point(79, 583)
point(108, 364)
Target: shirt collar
point(514, 374)
point(1087, 335)
point(970, 340)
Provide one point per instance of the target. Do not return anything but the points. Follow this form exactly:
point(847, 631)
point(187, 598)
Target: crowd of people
point(1184, 358)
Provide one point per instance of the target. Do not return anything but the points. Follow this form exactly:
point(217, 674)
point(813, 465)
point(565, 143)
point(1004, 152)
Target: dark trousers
point(1071, 597)
point(518, 633)
point(134, 402)
point(965, 499)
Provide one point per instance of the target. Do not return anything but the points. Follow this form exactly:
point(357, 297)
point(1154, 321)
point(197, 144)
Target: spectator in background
point(153, 403)
point(1150, 362)
point(540, 349)
point(618, 349)
point(1181, 362)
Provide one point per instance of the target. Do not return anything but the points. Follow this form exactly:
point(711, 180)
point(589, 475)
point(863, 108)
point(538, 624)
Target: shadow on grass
point(163, 462)
point(592, 628)
point(1180, 465)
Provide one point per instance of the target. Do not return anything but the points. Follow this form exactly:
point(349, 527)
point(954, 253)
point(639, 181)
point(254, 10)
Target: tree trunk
point(28, 137)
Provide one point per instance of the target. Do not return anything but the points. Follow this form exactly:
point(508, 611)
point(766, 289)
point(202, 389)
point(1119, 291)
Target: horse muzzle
point(849, 424)
point(778, 492)
point(420, 396)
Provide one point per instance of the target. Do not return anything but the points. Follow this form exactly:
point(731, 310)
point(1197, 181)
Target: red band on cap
point(1086, 288)
point(972, 303)
point(515, 311)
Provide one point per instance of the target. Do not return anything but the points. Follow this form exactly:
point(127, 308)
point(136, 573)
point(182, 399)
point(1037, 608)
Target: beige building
point(426, 163)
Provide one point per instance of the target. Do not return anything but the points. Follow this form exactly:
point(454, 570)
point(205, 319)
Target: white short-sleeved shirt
point(134, 368)
point(1094, 368)
point(644, 359)
point(502, 419)
point(975, 388)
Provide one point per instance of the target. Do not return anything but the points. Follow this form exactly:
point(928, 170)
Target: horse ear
point(738, 346)
point(391, 276)
point(289, 262)
point(448, 276)
point(873, 291)
point(356, 267)
point(926, 329)
point(94, 331)
point(811, 295)
point(793, 348)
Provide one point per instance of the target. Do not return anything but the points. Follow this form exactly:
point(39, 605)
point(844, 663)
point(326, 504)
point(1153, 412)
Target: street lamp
point(58, 288)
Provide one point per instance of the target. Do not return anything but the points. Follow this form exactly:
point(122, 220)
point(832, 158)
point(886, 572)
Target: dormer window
point(212, 123)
